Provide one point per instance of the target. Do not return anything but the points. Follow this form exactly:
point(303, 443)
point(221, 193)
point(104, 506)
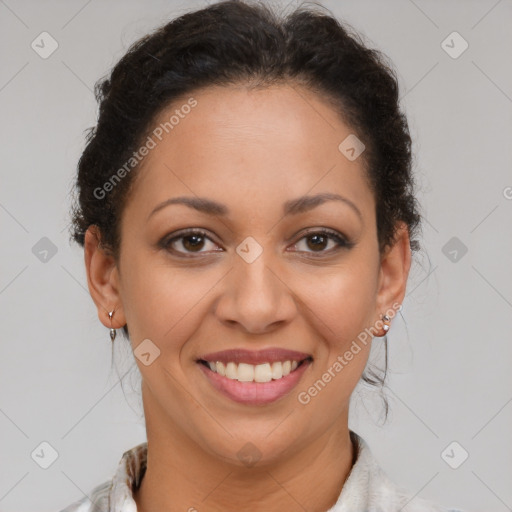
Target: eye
point(191, 240)
point(319, 239)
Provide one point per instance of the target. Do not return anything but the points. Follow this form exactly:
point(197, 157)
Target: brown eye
point(318, 241)
point(192, 241)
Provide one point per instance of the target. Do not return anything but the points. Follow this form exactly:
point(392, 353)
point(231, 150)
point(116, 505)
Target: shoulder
point(98, 501)
point(116, 493)
point(386, 496)
point(369, 489)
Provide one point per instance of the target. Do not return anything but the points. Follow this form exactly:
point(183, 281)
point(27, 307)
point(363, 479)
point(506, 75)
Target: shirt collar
point(127, 478)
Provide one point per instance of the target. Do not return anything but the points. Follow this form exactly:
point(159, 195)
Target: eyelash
point(332, 235)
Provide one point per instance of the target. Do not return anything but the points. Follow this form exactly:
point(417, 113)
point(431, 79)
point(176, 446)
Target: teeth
point(221, 368)
point(244, 372)
point(231, 371)
point(277, 370)
point(262, 372)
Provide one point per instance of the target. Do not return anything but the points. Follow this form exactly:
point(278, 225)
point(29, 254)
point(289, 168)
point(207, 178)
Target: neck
point(181, 476)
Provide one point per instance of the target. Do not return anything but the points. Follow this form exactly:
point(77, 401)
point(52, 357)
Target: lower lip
point(255, 393)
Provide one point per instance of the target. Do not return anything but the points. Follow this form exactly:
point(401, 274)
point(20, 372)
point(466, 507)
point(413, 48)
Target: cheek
point(164, 304)
point(342, 301)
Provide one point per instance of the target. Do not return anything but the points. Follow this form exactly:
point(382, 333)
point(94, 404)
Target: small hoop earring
point(113, 332)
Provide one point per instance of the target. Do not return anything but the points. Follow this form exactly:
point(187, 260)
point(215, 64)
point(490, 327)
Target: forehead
point(272, 143)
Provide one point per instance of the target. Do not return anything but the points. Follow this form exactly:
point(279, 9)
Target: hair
point(236, 42)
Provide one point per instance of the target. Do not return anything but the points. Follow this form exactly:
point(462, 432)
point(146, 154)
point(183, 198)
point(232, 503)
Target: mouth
point(254, 384)
point(245, 372)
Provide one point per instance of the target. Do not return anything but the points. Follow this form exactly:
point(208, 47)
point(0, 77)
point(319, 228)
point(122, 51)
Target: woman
point(246, 209)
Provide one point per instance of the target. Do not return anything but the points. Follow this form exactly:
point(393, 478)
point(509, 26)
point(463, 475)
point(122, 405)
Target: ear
point(394, 271)
point(103, 280)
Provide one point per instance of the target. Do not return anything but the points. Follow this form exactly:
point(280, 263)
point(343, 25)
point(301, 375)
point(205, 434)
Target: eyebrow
point(291, 207)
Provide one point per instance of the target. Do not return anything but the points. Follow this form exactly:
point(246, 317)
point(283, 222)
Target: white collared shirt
point(367, 488)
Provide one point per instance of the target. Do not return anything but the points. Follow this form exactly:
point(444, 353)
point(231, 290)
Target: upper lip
point(268, 355)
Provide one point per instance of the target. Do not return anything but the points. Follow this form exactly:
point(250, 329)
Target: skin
point(251, 151)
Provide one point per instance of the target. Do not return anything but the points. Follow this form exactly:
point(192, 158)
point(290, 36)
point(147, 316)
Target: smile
point(254, 384)
point(244, 372)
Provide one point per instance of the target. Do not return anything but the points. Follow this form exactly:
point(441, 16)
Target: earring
point(113, 332)
point(386, 320)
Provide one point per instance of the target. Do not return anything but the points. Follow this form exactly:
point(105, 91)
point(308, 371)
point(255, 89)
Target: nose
point(256, 297)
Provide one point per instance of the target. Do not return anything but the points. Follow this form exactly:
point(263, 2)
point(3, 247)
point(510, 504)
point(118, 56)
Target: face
point(255, 271)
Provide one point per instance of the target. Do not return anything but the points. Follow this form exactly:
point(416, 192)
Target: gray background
point(450, 354)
